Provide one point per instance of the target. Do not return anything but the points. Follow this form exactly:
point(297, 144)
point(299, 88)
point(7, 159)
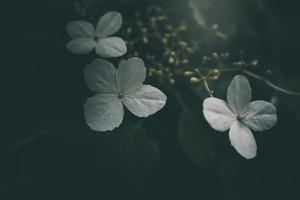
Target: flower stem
point(207, 88)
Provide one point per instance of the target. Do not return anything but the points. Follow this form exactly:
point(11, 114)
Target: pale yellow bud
point(254, 63)
point(215, 72)
point(129, 30)
point(144, 30)
point(145, 40)
point(194, 80)
point(171, 60)
point(172, 81)
point(238, 63)
point(159, 72)
point(214, 55)
point(188, 73)
point(215, 27)
point(214, 77)
point(185, 61)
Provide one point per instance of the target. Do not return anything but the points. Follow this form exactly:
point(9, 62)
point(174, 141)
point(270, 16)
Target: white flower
point(115, 87)
point(239, 115)
point(86, 37)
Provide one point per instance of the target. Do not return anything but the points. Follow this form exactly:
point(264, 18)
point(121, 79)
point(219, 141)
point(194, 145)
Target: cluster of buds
point(210, 68)
point(164, 45)
point(195, 76)
point(214, 65)
point(169, 53)
point(217, 32)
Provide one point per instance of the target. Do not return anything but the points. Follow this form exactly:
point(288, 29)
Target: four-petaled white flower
point(115, 87)
point(239, 115)
point(86, 37)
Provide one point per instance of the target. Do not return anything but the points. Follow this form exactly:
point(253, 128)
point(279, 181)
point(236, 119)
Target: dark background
point(47, 151)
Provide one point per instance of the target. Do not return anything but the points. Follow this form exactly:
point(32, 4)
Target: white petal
point(218, 114)
point(80, 28)
point(260, 116)
point(81, 45)
point(239, 93)
point(131, 74)
point(145, 101)
point(242, 140)
point(111, 47)
point(100, 77)
point(108, 24)
point(103, 112)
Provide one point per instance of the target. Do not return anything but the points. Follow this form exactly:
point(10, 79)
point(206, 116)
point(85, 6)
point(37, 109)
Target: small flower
point(86, 37)
point(239, 115)
point(115, 88)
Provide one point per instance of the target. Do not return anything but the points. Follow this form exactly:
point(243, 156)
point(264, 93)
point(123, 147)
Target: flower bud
point(129, 30)
point(159, 72)
point(215, 27)
point(172, 81)
point(269, 72)
point(215, 55)
point(185, 61)
point(188, 73)
point(238, 63)
point(171, 60)
point(215, 72)
point(214, 77)
point(204, 59)
point(254, 63)
point(194, 80)
point(145, 40)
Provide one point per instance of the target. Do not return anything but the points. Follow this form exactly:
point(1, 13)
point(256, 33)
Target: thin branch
point(207, 88)
point(269, 83)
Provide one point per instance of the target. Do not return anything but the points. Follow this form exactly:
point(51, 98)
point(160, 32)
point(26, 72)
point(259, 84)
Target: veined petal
point(111, 47)
point(218, 114)
point(242, 140)
point(103, 112)
point(81, 45)
point(145, 101)
point(100, 77)
point(80, 28)
point(108, 24)
point(131, 74)
point(239, 94)
point(260, 116)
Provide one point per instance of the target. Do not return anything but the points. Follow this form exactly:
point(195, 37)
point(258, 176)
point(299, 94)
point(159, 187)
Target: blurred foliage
point(196, 138)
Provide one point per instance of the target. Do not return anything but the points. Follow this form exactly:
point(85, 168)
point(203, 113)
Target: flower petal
point(218, 114)
point(130, 75)
point(239, 94)
point(80, 28)
point(111, 47)
point(260, 116)
point(242, 140)
point(145, 101)
point(108, 24)
point(103, 112)
point(81, 45)
point(100, 77)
